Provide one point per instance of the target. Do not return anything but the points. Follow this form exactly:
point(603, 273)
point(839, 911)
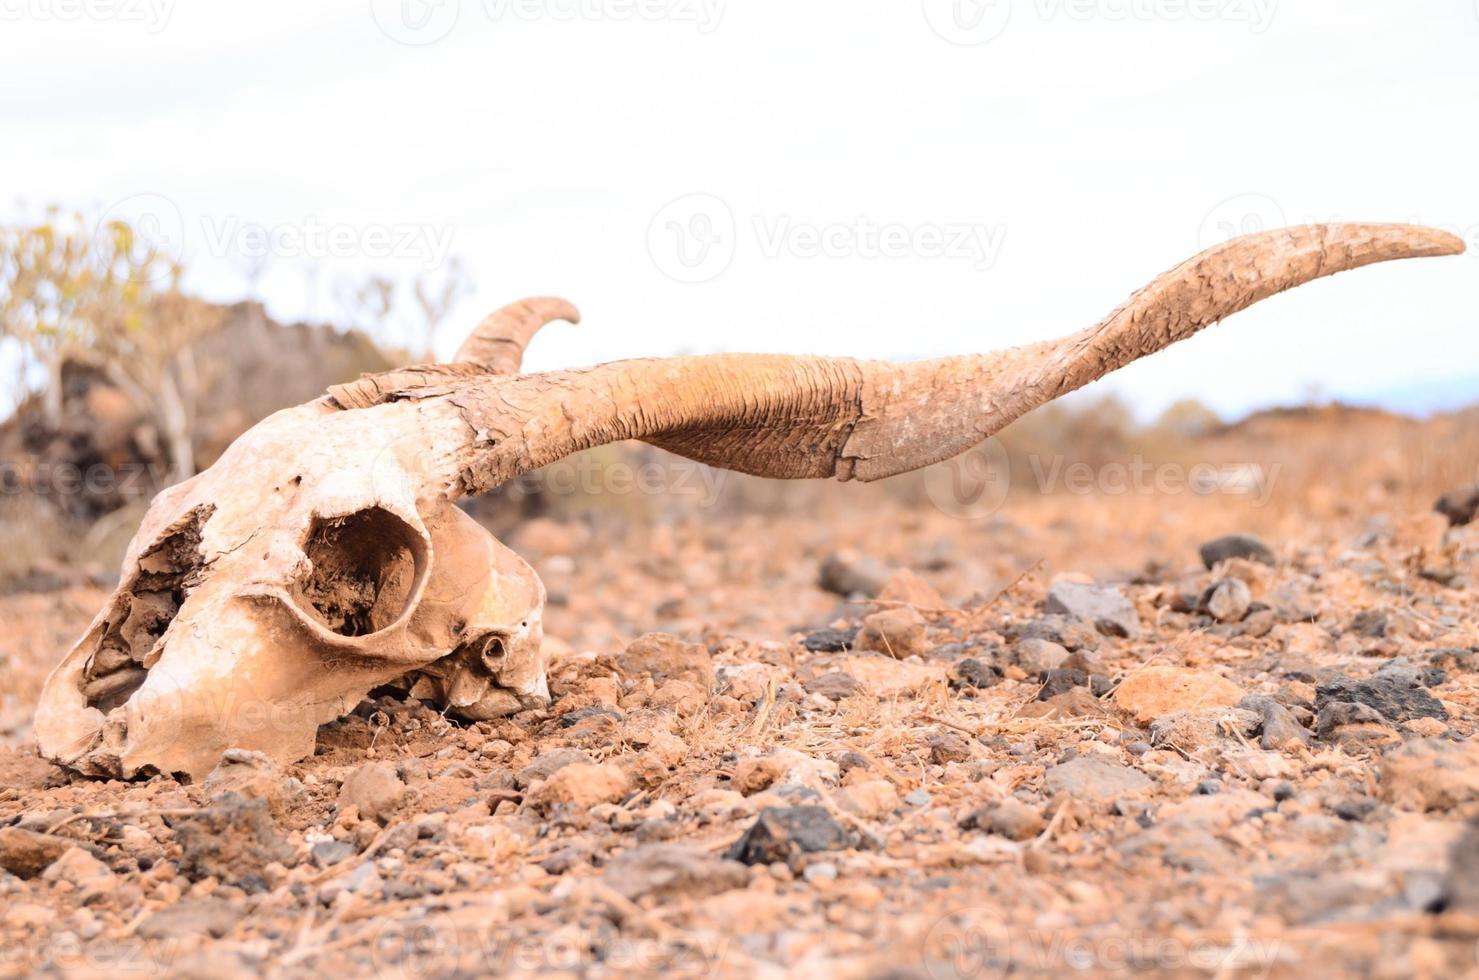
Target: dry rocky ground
point(850, 736)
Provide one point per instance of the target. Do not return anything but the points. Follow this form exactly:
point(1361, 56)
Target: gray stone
point(1009, 818)
point(1228, 601)
point(948, 747)
point(848, 573)
point(1036, 655)
point(1280, 728)
point(1108, 609)
point(546, 764)
point(834, 685)
point(212, 917)
point(1066, 631)
point(1094, 779)
point(328, 852)
point(667, 872)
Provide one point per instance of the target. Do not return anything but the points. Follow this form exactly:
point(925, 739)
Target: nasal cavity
point(365, 568)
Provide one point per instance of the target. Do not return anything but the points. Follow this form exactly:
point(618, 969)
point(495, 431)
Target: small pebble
point(822, 871)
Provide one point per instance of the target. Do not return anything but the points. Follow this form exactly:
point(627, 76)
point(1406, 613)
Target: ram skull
point(324, 555)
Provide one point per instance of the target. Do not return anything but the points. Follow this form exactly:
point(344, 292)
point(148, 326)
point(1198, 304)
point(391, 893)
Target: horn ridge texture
point(808, 417)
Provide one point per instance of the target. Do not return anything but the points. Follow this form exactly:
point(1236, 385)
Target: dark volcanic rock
point(1395, 691)
point(1459, 506)
point(1335, 715)
point(829, 640)
point(1060, 681)
point(974, 673)
point(785, 833)
point(573, 718)
point(1244, 546)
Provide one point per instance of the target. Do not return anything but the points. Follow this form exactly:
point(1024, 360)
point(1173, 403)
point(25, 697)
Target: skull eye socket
point(365, 571)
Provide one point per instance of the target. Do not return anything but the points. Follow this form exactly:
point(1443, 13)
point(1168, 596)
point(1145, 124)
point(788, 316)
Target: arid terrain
point(966, 724)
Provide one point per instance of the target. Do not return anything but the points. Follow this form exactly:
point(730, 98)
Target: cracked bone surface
point(324, 556)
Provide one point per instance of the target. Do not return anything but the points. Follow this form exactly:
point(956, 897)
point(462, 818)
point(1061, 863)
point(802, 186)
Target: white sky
point(1084, 148)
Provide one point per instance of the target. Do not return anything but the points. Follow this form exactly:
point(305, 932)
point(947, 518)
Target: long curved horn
point(803, 417)
point(497, 345)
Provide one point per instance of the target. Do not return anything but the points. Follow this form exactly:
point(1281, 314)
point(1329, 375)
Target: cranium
point(324, 555)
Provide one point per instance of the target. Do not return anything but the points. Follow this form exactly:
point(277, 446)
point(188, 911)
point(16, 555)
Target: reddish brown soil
point(1174, 844)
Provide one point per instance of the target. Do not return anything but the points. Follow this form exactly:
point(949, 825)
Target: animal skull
point(323, 555)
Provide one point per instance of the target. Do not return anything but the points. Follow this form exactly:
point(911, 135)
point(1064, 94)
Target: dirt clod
point(234, 841)
point(1155, 691)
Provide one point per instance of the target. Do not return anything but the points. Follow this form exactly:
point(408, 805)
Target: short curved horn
point(801, 417)
point(497, 345)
